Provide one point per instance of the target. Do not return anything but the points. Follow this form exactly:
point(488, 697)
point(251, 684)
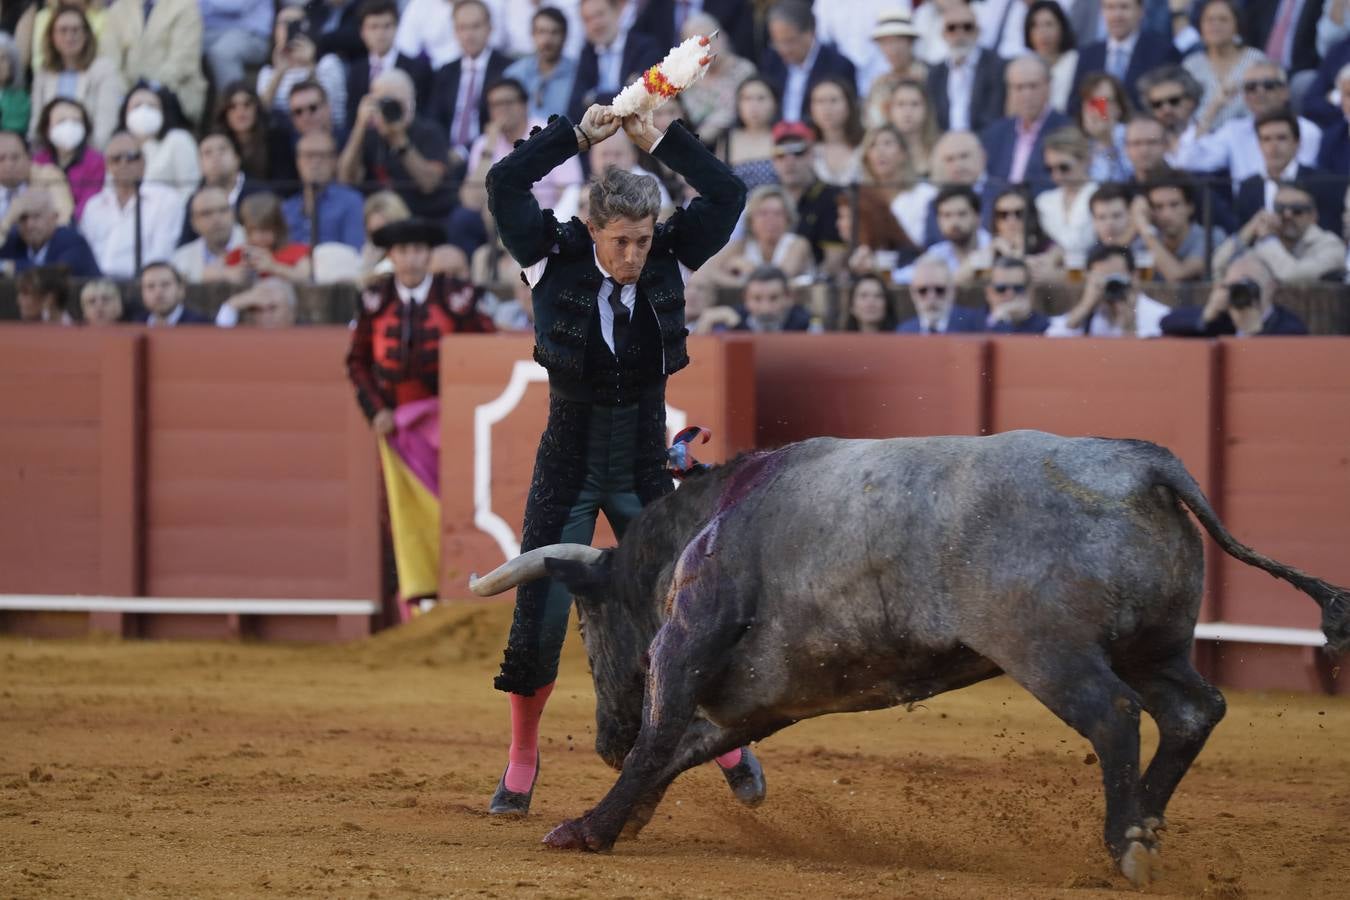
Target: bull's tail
point(1334, 600)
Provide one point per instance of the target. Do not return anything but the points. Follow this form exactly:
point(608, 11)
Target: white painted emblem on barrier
point(523, 373)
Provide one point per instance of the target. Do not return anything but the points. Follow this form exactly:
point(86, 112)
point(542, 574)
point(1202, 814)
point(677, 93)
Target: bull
point(842, 575)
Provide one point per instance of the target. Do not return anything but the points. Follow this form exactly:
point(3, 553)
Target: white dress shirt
point(472, 73)
point(192, 258)
point(609, 62)
point(1070, 228)
point(381, 64)
point(1148, 316)
point(794, 91)
point(1234, 145)
point(1012, 16)
point(849, 26)
point(1272, 185)
point(110, 229)
point(960, 86)
point(417, 294)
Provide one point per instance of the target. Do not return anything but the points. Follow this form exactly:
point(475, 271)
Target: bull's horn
point(529, 566)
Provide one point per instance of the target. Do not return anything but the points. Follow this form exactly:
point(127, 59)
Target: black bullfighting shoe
point(510, 803)
point(746, 779)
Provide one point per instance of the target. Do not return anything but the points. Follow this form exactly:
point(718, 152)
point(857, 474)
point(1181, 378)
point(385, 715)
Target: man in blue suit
point(609, 58)
point(1278, 134)
point(36, 239)
point(934, 296)
point(162, 295)
point(1014, 143)
point(795, 61)
point(1128, 51)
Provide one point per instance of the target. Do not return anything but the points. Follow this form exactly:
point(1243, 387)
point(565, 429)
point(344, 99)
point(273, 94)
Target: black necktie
point(621, 316)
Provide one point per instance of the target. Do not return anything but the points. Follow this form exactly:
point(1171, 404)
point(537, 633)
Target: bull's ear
point(580, 577)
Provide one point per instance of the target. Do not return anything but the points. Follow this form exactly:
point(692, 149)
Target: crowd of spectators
point(150, 145)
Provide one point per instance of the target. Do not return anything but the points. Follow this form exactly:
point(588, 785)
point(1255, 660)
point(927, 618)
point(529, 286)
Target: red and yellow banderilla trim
point(655, 81)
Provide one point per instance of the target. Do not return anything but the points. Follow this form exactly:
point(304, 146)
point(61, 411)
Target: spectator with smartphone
point(1111, 305)
point(295, 59)
point(399, 150)
point(1242, 304)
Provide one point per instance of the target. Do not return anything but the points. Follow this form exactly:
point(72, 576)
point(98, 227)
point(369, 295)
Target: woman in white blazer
point(1065, 215)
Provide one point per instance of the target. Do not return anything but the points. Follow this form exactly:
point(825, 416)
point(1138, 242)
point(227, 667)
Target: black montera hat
point(409, 231)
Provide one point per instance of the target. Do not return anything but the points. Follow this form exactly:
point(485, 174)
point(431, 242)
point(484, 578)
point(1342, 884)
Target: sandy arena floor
point(178, 770)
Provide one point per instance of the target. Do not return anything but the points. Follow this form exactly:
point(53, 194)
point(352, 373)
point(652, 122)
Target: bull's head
point(616, 640)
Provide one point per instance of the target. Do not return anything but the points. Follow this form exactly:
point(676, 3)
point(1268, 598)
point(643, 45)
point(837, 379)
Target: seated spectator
point(817, 206)
point(832, 110)
point(747, 146)
point(879, 244)
point(202, 260)
point(30, 30)
point(1145, 146)
point(1278, 133)
point(101, 303)
point(1101, 116)
point(508, 121)
point(268, 250)
point(15, 103)
point(40, 292)
point(959, 160)
point(1172, 96)
point(162, 296)
point(397, 149)
point(894, 36)
point(241, 115)
point(235, 34)
point(1111, 305)
point(1049, 35)
point(1222, 65)
point(151, 116)
point(111, 216)
point(767, 307)
point(1008, 294)
point(1286, 29)
point(966, 89)
point(1287, 240)
point(381, 208)
point(295, 60)
point(770, 240)
point(309, 111)
point(455, 102)
point(1065, 212)
point(424, 30)
point(37, 240)
point(889, 172)
point(934, 296)
point(19, 173)
point(1242, 304)
point(795, 59)
point(378, 20)
point(1334, 155)
point(547, 73)
point(158, 43)
point(336, 208)
point(1168, 239)
point(63, 140)
point(1234, 145)
point(711, 101)
point(268, 304)
point(911, 112)
point(958, 218)
point(334, 28)
point(221, 166)
point(1129, 49)
point(1014, 144)
point(1017, 235)
point(870, 307)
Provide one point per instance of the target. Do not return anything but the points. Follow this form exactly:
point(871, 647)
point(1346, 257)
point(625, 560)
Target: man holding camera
point(394, 147)
point(1111, 305)
point(1243, 304)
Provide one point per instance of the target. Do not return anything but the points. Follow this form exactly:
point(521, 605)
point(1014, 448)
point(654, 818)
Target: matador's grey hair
point(622, 195)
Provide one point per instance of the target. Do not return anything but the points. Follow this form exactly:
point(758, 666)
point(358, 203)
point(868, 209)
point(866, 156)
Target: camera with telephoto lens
point(391, 109)
point(1115, 288)
point(1244, 293)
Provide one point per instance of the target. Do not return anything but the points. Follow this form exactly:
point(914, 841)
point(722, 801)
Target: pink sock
point(524, 753)
point(730, 760)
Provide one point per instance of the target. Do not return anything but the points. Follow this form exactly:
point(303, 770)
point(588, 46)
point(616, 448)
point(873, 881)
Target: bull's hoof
point(746, 779)
point(573, 834)
point(1141, 864)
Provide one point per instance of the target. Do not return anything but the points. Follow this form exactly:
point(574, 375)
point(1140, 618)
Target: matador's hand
point(597, 124)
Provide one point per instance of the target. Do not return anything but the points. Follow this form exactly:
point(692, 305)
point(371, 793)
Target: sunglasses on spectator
point(928, 290)
point(780, 152)
point(1268, 85)
point(1010, 213)
point(1060, 168)
point(307, 110)
point(1293, 209)
point(130, 157)
point(1173, 101)
point(955, 27)
point(1009, 288)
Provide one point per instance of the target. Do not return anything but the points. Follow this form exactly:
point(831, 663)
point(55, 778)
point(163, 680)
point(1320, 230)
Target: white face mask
point(144, 121)
point(66, 135)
